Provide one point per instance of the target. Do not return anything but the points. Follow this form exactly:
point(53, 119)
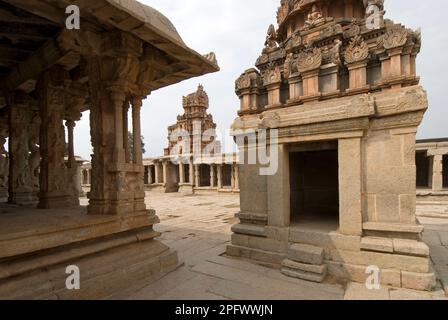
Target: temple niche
point(340, 86)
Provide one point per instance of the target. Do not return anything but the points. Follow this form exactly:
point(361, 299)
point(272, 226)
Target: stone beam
point(51, 53)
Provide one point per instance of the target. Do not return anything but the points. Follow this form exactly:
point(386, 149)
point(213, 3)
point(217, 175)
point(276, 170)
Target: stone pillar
point(117, 185)
point(279, 212)
point(56, 181)
point(21, 190)
point(212, 176)
point(137, 155)
point(191, 172)
point(197, 176)
point(350, 187)
point(219, 174)
point(165, 172)
point(156, 171)
point(70, 124)
point(437, 173)
point(237, 177)
point(181, 173)
point(4, 160)
point(126, 132)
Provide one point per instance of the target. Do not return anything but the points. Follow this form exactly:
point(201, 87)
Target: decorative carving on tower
point(195, 130)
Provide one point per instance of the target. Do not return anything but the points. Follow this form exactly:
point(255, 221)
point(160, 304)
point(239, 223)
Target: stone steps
point(305, 262)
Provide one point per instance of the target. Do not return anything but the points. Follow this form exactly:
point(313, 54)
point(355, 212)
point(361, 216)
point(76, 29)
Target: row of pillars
point(216, 175)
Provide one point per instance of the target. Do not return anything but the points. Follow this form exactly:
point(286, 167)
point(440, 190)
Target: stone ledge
point(393, 227)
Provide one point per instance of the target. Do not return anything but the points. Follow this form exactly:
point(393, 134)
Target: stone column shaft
point(237, 177)
point(181, 173)
point(165, 172)
point(191, 172)
point(197, 176)
point(125, 132)
point(437, 173)
point(156, 171)
point(136, 131)
point(219, 173)
point(212, 176)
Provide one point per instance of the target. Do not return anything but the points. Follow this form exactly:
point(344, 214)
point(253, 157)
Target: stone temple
point(49, 75)
point(336, 93)
point(346, 101)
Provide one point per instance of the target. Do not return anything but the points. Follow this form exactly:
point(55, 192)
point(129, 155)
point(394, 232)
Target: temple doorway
point(314, 183)
point(204, 173)
point(445, 171)
point(423, 170)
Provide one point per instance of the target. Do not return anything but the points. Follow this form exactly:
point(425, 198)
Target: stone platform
point(112, 252)
point(199, 228)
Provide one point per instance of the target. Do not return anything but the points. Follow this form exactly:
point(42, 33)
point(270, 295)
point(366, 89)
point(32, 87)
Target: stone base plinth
point(403, 263)
point(58, 202)
point(24, 199)
point(186, 189)
point(112, 253)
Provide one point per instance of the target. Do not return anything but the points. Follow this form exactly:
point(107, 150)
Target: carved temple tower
point(339, 83)
point(196, 127)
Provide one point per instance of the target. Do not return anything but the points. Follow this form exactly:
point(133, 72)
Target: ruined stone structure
point(342, 91)
point(432, 176)
point(49, 75)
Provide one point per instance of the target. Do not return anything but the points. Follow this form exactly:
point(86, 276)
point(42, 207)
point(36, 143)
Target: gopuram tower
point(195, 128)
point(338, 83)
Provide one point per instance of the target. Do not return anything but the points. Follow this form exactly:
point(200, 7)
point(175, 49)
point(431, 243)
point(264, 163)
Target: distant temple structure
point(338, 82)
point(195, 127)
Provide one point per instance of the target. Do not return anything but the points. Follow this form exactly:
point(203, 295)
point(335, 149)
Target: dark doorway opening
point(314, 182)
point(204, 171)
point(445, 171)
point(423, 167)
point(227, 175)
point(153, 174)
point(187, 173)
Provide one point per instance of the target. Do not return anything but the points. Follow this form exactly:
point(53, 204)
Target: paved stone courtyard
point(198, 227)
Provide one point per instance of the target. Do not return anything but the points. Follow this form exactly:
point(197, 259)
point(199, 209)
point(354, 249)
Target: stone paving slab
point(198, 227)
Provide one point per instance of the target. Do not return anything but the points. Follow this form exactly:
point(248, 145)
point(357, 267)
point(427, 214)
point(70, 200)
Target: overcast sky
point(235, 30)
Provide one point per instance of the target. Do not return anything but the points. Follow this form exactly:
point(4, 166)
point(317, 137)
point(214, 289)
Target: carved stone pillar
point(437, 173)
point(197, 176)
point(272, 80)
point(21, 186)
point(70, 124)
point(237, 177)
point(4, 159)
point(191, 172)
point(126, 132)
point(137, 155)
point(219, 174)
point(117, 185)
point(212, 176)
point(56, 181)
point(156, 172)
point(181, 173)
